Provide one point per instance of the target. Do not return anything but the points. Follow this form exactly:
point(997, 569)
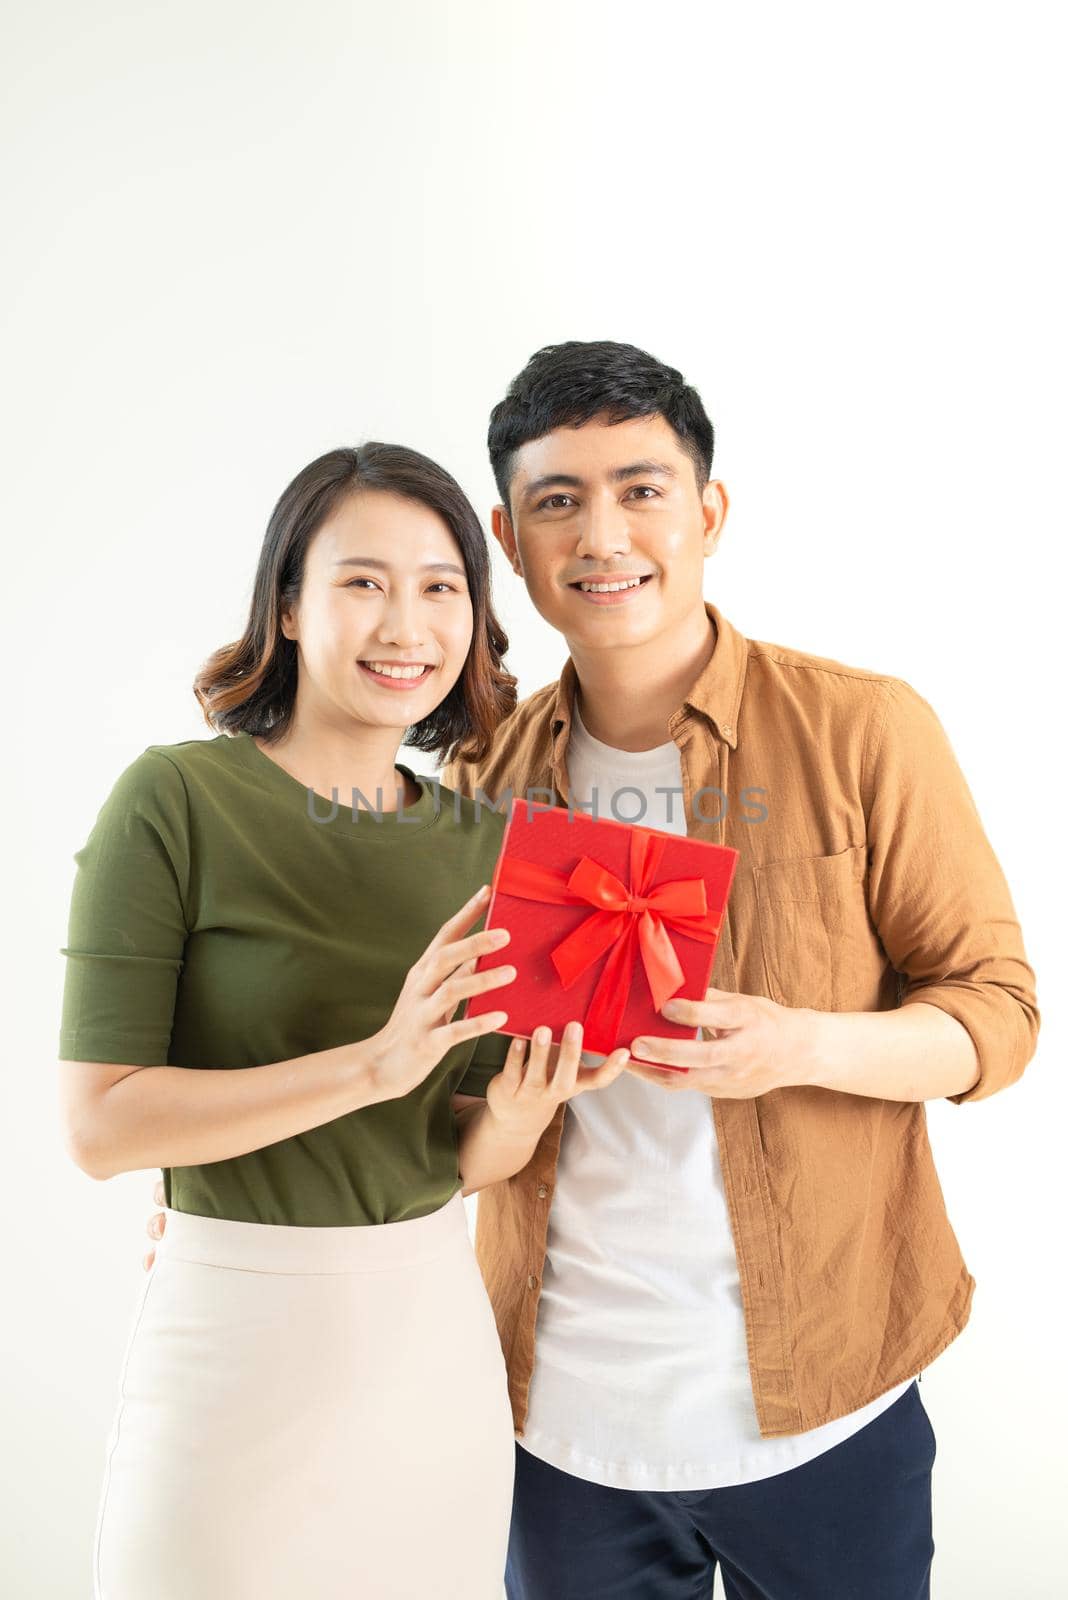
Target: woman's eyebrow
point(387, 566)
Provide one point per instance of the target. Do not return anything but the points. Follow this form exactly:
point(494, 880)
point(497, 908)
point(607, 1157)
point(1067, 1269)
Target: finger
point(717, 1010)
point(146, 1261)
point(158, 1195)
point(454, 991)
point(447, 1010)
point(608, 1071)
point(478, 982)
point(565, 1074)
point(465, 1029)
point(154, 1227)
point(512, 1071)
point(679, 1052)
point(536, 1075)
point(486, 942)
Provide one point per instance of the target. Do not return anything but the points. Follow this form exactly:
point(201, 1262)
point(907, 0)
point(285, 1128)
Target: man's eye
point(553, 502)
point(644, 490)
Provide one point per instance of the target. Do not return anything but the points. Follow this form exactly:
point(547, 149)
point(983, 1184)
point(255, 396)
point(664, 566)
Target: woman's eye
point(352, 582)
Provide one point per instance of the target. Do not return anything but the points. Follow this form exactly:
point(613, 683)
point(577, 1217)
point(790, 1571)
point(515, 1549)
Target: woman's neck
point(328, 760)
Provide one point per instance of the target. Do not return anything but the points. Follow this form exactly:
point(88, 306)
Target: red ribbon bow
point(642, 914)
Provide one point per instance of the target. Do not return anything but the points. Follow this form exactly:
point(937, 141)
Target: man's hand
point(156, 1224)
point(755, 1045)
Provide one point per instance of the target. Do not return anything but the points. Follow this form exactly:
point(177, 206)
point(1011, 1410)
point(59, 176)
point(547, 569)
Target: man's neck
point(626, 695)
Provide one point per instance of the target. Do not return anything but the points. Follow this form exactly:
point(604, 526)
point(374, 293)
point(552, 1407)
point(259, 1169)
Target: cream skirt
point(309, 1414)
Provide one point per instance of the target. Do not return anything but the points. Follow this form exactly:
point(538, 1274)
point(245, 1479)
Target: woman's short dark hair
point(567, 385)
point(250, 686)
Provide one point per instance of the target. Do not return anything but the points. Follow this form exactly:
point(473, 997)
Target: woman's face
point(384, 583)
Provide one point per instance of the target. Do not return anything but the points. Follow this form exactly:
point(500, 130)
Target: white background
point(238, 235)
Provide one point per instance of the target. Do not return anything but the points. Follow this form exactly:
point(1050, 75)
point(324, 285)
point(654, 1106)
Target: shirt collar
point(716, 694)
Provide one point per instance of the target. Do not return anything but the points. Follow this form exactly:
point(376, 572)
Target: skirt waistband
point(266, 1247)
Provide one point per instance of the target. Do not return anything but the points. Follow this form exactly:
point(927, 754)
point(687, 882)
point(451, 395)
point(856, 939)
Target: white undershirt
point(641, 1375)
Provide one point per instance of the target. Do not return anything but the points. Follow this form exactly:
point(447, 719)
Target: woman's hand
point(419, 1032)
point(497, 1139)
point(523, 1097)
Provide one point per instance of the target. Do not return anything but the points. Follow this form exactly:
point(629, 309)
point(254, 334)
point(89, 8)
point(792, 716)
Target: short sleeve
point(127, 926)
point(486, 1061)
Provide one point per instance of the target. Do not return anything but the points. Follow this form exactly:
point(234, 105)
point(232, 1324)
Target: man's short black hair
point(566, 385)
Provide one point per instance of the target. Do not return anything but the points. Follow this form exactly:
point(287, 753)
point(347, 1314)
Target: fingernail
point(640, 1046)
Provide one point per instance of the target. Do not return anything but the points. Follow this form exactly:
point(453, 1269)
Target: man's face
point(611, 501)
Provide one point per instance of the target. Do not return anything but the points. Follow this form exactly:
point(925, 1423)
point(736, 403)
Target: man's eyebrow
point(563, 480)
point(387, 566)
point(559, 480)
point(643, 469)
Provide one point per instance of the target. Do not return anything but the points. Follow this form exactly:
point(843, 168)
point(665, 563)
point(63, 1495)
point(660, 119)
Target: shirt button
point(728, 731)
point(542, 1191)
point(532, 1282)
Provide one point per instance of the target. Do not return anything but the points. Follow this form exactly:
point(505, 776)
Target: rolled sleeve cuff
point(1002, 1026)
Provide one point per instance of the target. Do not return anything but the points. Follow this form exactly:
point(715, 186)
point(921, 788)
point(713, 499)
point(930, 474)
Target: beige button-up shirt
point(865, 881)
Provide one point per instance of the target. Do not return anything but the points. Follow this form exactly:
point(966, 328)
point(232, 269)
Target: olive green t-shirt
point(223, 915)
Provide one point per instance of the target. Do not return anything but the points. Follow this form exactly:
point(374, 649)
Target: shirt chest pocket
point(818, 944)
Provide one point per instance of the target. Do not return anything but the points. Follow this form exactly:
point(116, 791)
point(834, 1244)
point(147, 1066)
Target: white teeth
point(608, 588)
point(395, 672)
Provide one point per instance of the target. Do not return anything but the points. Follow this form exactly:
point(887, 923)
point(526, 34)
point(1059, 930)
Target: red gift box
point(608, 921)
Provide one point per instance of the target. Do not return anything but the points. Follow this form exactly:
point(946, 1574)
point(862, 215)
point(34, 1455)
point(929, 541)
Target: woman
point(313, 1400)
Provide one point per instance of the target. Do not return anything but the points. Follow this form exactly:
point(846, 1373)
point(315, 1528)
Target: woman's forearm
point(489, 1152)
point(186, 1116)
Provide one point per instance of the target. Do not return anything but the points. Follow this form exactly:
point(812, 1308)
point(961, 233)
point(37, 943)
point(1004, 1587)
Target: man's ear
point(501, 524)
point(715, 502)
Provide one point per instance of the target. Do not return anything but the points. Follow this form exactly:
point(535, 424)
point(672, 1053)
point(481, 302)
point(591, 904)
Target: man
point(715, 1290)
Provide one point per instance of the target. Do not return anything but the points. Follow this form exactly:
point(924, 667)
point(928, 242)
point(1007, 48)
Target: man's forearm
point(488, 1152)
point(916, 1052)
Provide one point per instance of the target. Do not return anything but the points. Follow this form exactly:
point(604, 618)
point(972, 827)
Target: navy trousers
point(853, 1524)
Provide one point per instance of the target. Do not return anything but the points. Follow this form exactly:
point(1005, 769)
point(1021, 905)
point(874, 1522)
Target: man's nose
point(604, 530)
